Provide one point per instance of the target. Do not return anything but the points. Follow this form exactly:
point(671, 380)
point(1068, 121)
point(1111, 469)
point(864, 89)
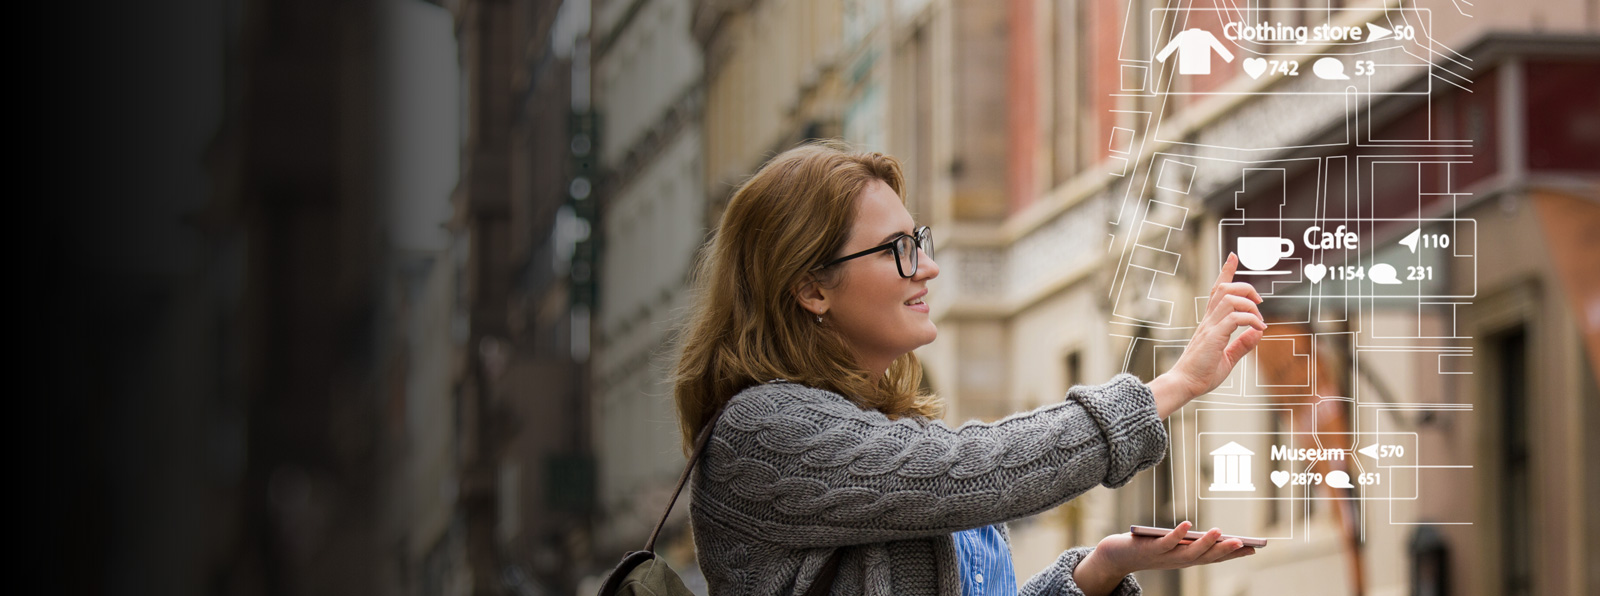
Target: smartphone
point(1193, 536)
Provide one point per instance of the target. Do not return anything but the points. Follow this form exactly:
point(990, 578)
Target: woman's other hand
point(1121, 554)
point(1213, 351)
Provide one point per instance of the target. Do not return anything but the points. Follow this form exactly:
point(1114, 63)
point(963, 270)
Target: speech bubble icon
point(1339, 479)
point(1329, 68)
point(1383, 274)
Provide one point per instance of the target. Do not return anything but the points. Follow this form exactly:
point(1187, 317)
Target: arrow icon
point(1410, 241)
point(1375, 33)
point(1370, 451)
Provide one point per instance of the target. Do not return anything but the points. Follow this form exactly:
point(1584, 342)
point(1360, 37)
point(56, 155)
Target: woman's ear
point(811, 296)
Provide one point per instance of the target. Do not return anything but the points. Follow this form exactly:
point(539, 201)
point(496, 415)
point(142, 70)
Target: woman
point(812, 297)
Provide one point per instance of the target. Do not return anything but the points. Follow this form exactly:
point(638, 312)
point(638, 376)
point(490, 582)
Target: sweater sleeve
point(807, 468)
point(1057, 580)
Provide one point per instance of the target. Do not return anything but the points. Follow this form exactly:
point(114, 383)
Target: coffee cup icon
point(1261, 253)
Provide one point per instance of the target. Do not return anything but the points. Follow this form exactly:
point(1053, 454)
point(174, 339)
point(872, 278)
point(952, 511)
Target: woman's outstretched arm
point(807, 468)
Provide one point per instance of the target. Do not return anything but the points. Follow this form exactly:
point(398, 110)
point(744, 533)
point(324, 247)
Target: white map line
point(1182, 420)
point(1452, 83)
point(1119, 275)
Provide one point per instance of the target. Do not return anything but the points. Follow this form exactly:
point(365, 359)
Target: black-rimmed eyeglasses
point(905, 247)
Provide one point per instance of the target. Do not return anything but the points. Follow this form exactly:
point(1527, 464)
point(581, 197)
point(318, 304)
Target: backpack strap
point(699, 448)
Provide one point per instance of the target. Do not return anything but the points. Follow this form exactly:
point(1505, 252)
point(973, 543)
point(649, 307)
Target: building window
point(1430, 563)
point(1516, 545)
point(1074, 368)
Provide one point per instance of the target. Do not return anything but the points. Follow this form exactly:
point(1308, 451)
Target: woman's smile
point(917, 303)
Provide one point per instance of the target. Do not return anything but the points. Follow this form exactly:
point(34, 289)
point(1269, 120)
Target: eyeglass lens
point(906, 247)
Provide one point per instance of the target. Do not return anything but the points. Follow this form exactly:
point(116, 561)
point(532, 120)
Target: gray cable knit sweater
point(792, 473)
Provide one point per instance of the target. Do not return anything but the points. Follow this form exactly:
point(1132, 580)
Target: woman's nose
point(926, 267)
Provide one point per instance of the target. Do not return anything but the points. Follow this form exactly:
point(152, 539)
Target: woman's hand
point(1210, 356)
point(1121, 554)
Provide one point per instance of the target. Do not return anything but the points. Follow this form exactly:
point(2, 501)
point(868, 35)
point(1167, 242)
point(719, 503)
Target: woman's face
point(881, 314)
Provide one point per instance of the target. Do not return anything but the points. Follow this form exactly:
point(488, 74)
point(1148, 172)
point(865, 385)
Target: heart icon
point(1280, 478)
point(1315, 272)
point(1255, 66)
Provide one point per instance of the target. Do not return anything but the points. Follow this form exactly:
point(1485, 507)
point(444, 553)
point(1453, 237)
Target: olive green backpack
point(642, 573)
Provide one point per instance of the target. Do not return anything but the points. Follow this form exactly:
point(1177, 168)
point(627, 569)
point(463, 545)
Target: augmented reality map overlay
point(1353, 240)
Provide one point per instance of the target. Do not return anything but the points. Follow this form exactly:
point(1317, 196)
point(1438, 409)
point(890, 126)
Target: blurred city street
point(381, 295)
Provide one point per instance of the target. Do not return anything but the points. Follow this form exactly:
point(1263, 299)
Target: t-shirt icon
point(1195, 59)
